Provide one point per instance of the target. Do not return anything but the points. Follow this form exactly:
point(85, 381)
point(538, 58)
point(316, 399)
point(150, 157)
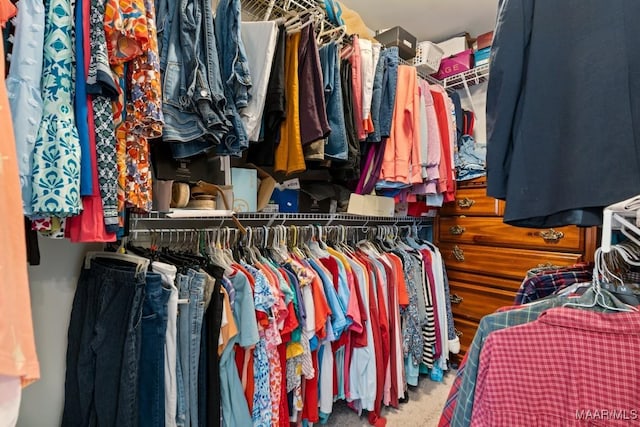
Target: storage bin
point(398, 36)
point(428, 57)
point(481, 56)
point(455, 64)
point(455, 44)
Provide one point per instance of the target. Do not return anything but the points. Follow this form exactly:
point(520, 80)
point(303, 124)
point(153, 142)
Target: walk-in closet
point(288, 213)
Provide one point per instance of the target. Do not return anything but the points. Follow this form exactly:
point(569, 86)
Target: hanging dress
point(56, 157)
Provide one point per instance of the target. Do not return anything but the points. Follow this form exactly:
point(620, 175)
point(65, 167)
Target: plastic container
point(428, 57)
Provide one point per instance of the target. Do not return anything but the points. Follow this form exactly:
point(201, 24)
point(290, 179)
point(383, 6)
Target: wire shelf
point(265, 10)
point(160, 220)
point(472, 77)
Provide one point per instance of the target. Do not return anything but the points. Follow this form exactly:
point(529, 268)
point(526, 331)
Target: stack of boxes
point(455, 55)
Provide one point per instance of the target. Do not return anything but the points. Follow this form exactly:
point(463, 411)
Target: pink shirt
point(17, 344)
point(402, 153)
point(434, 140)
point(356, 82)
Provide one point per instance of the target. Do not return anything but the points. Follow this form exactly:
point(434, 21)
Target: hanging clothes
point(23, 90)
point(56, 158)
point(289, 157)
point(260, 42)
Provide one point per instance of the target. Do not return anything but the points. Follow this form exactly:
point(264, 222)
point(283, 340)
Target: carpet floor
point(422, 410)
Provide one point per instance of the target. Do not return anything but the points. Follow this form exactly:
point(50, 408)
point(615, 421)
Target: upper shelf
point(264, 10)
point(472, 77)
point(214, 219)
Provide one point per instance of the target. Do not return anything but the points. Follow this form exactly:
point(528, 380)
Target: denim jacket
point(194, 104)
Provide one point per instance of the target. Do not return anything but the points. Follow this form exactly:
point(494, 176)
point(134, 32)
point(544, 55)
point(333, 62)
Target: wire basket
point(428, 57)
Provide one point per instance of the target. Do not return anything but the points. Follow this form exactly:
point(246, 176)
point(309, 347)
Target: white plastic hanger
point(142, 264)
point(599, 294)
point(617, 216)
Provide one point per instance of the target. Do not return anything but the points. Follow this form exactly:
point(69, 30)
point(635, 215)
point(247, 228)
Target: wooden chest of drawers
point(487, 260)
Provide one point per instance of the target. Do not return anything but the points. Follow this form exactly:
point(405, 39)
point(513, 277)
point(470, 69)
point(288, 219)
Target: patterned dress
point(56, 158)
point(101, 85)
point(132, 47)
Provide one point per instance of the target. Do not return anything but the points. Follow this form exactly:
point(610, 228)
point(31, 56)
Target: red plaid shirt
point(568, 368)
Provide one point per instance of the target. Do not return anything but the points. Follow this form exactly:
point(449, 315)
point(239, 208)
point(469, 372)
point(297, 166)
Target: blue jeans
point(103, 350)
point(154, 330)
point(236, 77)
point(194, 104)
point(389, 85)
point(336, 146)
point(190, 316)
point(234, 64)
point(376, 99)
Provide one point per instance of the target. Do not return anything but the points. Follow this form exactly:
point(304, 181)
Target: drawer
point(468, 329)
point(492, 231)
point(472, 201)
point(473, 302)
point(485, 281)
point(509, 263)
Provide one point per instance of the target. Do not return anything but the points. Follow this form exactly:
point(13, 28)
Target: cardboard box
point(371, 205)
point(398, 36)
point(455, 64)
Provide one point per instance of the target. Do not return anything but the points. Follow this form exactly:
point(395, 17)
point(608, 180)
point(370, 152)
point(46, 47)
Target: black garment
point(33, 249)
point(213, 323)
point(314, 124)
point(263, 153)
point(563, 142)
point(350, 169)
point(103, 351)
point(455, 98)
point(202, 377)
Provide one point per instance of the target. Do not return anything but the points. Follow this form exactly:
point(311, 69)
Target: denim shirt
point(23, 89)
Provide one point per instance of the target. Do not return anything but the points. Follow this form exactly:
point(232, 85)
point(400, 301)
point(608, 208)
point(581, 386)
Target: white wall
point(52, 284)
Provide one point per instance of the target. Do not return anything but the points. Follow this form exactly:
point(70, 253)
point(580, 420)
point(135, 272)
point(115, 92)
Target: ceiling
point(433, 20)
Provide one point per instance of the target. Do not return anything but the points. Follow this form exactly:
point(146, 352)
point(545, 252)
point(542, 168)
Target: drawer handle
point(458, 333)
point(456, 299)
point(456, 230)
point(551, 235)
point(466, 203)
point(458, 254)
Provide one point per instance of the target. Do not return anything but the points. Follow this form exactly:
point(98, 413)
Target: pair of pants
point(336, 147)
point(101, 384)
point(152, 370)
point(168, 273)
point(213, 320)
point(391, 60)
point(190, 316)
